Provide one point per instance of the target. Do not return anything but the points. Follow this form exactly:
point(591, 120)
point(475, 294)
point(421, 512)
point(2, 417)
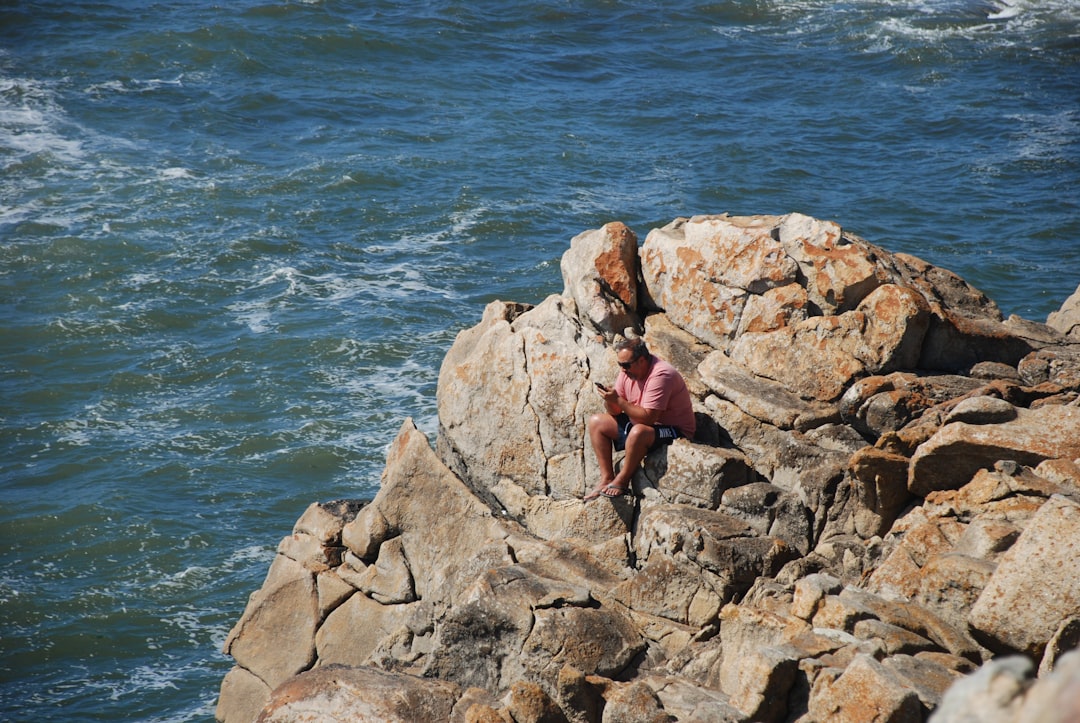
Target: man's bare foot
point(614, 490)
point(598, 490)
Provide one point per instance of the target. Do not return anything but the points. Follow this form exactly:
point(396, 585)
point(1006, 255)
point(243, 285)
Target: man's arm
point(638, 415)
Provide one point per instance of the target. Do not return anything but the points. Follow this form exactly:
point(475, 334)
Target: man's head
point(634, 358)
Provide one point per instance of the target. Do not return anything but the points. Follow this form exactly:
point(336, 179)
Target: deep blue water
point(236, 240)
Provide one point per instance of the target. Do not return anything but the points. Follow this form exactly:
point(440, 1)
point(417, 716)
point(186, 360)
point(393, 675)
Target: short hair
point(635, 345)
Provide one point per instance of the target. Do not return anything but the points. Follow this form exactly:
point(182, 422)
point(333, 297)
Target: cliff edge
point(879, 518)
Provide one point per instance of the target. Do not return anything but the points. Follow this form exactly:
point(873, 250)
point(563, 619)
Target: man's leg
point(638, 441)
point(603, 431)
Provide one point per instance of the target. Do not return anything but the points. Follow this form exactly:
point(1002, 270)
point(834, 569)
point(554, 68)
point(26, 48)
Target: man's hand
point(610, 396)
point(638, 415)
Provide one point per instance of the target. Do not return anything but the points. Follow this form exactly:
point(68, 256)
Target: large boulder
point(517, 371)
point(361, 695)
point(1006, 691)
point(275, 637)
point(866, 692)
point(1036, 584)
point(961, 448)
point(702, 272)
point(1067, 318)
point(600, 273)
point(400, 520)
point(821, 356)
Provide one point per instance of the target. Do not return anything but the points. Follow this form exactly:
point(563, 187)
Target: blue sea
point(237, 239)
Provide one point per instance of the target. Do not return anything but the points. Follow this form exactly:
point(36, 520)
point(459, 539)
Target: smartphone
point(600, 386)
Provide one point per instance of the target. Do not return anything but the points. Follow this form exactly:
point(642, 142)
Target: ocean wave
point(1035, 11)
point(170, 174)
point(133, 85)
point(244, 557)
point(32, 123)
point(1046, 137)
point(932, 24)
point(191, 577)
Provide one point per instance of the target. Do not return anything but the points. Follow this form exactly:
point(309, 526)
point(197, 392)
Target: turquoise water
point(236, 241)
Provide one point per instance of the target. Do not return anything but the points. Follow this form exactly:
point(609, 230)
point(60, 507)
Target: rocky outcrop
point(1067, 319)
point(882, 499)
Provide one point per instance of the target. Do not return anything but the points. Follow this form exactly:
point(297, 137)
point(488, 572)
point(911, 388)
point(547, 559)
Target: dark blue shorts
point(665, 434)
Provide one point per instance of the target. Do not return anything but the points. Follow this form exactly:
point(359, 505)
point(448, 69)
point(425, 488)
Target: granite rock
point(880, 500)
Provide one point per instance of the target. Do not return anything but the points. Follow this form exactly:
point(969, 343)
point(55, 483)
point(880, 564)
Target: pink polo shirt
point(663, 389)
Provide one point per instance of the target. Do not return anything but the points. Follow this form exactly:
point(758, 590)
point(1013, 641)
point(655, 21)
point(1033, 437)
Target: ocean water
point(236, 240)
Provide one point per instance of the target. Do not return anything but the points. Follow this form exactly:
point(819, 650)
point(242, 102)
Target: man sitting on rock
point(649, 407)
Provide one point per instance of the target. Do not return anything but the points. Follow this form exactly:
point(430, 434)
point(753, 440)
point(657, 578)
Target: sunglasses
point(627, 365)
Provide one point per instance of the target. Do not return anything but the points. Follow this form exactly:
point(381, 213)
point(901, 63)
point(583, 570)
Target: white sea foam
point(408, 243)
point(31, 135)
point(288, 274)
point(10, 215)
point(258, 314)
point(244, 556)
point(175, 173)
point(191, 576)
point(139, 279)
point(142, 679)
point(133, 85)
point(1009, 9)
point(254, 315)
point(401, 389)
point(933, 22)
point(909, 28)
point(1035, 11)
point(8, 590)
point(74, 432)
point(189, 622)
point(404, 281)
point(205, 711)
point(462, 222)
point(32, 122)
point(111, 86)
point(389, 283)
point(1045, 137)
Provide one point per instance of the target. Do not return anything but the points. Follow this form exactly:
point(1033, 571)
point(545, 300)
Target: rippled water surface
point(236, 240)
